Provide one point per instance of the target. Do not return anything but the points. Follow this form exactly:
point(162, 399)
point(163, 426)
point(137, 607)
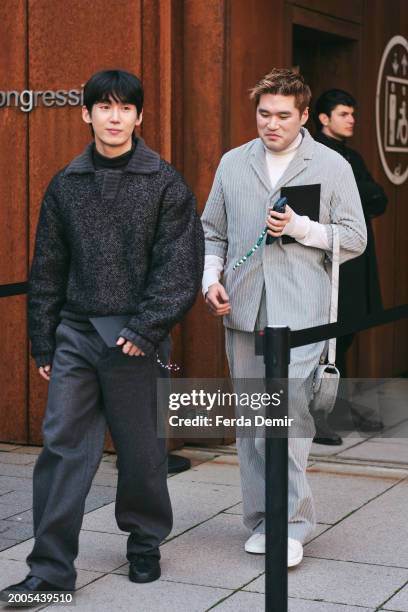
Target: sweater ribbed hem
point(43, 359)
point(145, 345)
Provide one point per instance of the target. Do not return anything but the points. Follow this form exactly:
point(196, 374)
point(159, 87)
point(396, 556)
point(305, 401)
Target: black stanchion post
point(277, 358)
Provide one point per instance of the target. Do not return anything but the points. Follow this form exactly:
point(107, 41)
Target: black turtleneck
point(359, 275)
point(101, 162)
point(334, 143)
point(372, 195)
point(109, 170)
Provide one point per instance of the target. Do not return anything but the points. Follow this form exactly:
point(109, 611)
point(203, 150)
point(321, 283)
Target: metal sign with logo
point(392, 110)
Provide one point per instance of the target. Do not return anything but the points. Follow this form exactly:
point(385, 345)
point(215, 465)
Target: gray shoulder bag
point(326, 376)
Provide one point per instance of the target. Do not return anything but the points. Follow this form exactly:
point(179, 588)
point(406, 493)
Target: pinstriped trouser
point(243, 363)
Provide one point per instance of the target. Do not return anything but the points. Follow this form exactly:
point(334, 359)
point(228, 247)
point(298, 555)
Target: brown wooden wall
point(197, 59)
point(384, 351)
point(13, 227)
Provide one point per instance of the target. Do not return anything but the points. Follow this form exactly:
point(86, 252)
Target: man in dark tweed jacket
point(118, 238)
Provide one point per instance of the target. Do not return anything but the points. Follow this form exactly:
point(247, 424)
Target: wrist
point(43, 359)
point(141, 342)
point(208, 281)
point(297, 227)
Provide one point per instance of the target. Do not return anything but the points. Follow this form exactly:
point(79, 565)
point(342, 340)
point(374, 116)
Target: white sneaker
point(256, 545)
point(295, 552)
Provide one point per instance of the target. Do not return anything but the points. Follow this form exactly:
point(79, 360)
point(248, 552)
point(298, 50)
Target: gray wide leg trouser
point(243, 363)
point(91, 386)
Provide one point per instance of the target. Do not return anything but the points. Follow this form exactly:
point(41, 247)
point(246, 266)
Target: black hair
point(120, 85)
point(328, 102)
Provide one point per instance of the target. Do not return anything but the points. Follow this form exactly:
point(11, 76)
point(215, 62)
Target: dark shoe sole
point(177, 464)
point(145, 579)
point(328, 441)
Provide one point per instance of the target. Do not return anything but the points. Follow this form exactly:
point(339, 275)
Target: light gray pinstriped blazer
point(296, 282)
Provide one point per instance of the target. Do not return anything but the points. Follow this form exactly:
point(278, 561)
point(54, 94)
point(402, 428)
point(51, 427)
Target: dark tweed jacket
point(140, 255)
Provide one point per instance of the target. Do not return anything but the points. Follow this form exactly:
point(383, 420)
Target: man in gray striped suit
point(284, 283)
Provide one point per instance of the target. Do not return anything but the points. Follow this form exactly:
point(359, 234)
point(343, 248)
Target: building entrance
point(326, 60)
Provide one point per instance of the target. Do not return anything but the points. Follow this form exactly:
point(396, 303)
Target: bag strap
point(334, 290)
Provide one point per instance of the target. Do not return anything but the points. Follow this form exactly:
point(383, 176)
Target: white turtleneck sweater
point(277, 162)
point(301, 228)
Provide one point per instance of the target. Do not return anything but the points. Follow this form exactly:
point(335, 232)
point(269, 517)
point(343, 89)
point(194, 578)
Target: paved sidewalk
point(357, 561)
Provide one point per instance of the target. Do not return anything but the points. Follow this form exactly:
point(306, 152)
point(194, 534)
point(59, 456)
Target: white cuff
point(298, 226)
point(213, 267)
point(307, 232)
point(316, 237)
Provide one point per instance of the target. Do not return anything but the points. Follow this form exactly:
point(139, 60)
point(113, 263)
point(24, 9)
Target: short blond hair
point(284, 82)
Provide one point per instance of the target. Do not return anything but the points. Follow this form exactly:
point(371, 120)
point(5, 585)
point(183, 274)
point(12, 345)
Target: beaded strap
point(251, 251)
point(169, 366)
point(280, 207)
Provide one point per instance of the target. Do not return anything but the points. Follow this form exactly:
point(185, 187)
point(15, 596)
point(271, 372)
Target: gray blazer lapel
point(296, 166)
point(258, 163)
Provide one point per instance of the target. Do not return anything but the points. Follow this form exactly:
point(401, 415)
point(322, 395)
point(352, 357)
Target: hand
point(217, 300)
point(129, 348)
point(277, 221)
point(45, 372)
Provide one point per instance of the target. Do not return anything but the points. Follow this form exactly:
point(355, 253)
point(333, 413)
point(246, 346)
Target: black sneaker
point(324, 433)
point(145, 568)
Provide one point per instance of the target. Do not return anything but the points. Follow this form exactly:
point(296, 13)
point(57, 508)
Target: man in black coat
point(119, 254)
point(359, 289)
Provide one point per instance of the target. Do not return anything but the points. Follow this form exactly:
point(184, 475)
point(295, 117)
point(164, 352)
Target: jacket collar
point(297, 165)
point(143, 161)
point(333, 143)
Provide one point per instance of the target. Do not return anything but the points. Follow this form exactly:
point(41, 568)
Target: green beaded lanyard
point(251, 251)
point(280, 207)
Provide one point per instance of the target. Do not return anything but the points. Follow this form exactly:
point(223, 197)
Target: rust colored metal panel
point(151, 72)
point(13, 159)
point(157, 75)
point(162, 61)
point(350, 10)
point(204, 92)
point(257, 43)
point(13, 370)
point(325, 23)
point(13, 224)
point(204, 104)
point(203, 130)
point(69, 41)
point(383, 351)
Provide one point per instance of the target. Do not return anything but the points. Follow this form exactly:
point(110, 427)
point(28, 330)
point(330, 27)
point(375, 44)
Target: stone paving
point(357, 560)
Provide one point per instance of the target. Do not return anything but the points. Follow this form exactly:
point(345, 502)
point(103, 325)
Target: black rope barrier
point(310, 335)
point(13, 289)
point(276, 346)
